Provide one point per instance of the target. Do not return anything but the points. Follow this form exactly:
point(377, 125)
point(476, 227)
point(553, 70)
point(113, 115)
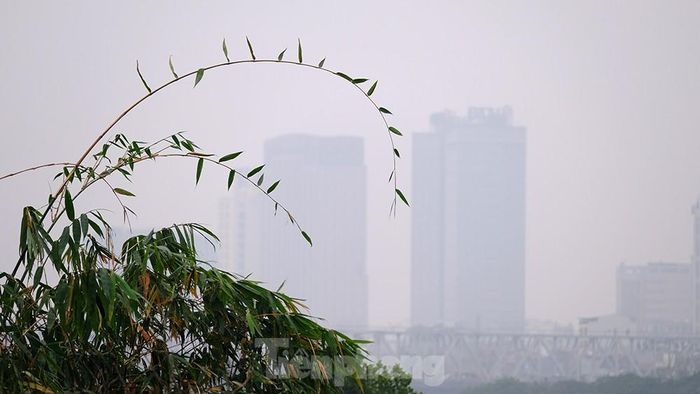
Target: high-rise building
point(657, 297)
point(468, 231)
point(323, 183)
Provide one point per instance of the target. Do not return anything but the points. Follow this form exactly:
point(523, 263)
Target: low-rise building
point(657, 297)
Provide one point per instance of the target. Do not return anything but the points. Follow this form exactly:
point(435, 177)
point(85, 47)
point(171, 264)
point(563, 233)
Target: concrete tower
point(323, 183)
point(468, 231)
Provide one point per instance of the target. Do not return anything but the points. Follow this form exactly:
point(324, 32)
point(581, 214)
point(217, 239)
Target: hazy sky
point(608, 91)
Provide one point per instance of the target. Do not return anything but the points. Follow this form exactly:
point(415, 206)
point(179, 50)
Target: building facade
point(468, 230)
point(657, 297)
point(323, 183)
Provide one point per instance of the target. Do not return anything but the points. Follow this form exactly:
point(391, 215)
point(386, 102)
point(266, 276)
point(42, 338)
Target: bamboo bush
point(149, 315)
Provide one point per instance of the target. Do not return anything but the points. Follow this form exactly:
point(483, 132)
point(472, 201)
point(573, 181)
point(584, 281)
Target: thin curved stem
point(35, 168)
point(184, 76)
point(102, 177)
point(102, 134)
point(253, 183)
point(197, 157)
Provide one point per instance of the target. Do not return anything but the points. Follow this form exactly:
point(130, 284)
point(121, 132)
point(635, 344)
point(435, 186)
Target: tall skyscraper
point(468, 231)
point(323, 183)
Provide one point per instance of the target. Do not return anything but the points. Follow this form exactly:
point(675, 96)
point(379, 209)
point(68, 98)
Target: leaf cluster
point(357, 82)
point(148, 315)
point(379, 379)
point(151, 318)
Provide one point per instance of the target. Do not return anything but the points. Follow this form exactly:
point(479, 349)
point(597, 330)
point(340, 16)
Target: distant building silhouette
point(323, 183)
point(657, 297)
point(607, 325)
point(468, 231)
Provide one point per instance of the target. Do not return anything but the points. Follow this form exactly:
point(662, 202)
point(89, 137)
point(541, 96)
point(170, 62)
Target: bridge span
point(484, 357)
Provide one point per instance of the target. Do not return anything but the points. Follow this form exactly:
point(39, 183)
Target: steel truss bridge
point(483, 357)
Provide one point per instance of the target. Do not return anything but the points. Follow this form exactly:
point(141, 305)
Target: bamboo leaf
point(141, 76)
point(230, 156)
point(125, 173)
point(172, 69)
point(39, 388)
point(223, 47)
point(396, 152)
point(252, 326)
point(188, 145)
point(272, 187)
point(299, 55)
point(107, 285)
point(359, 80)
point(344, 76)
point(201, 229)
point(395, 130)
point(402, 197)
point(198, 77)
point(307, 238)
point(83, 223)
point(281, 55)
point(255, 171)
point(37, 276)
point(96, 228)
point(321, 63)
point(250, 48)
point(260, 180)
point(384, 110)
point(68, 201)
point(231, 174)
point(200, 166)
point(371, 89)
point(25, 224)
point(124, 192)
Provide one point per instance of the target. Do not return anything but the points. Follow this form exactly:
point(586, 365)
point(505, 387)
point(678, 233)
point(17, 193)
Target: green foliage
point(380, 379)
point(148, 315)
point(250, 48)
point(371, 89)
point(225, 49)
point(401, 196)
point(172, 69)
point(142, 79)
point(152, 318)
point(299, 52)
point(395, 130)
point(199, 76)
point(307, 238)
